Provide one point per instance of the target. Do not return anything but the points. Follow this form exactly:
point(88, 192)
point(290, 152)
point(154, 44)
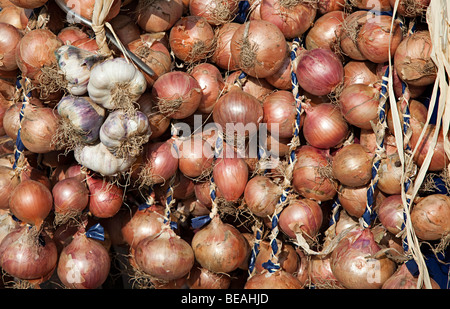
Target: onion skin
point(354, 199)
point(84, 263)
point(360, 72)
point(430, 217)
point(261, 195)
point(201, 278)
point(390, 213)
point(222, 53)
point(411, 8)
point(231, 177)
point(349, 34)
point(352, 165)
point(10, 38)
point(277, 280)
point(280, 113)
point(287, 257)
point(158, 16)
point(196, 156)
point(70, 195)
point(216, 12)
point(212, 84)
point(105, 198)
point(390, 174)
point(220, 247)
point(8, 182)
point(85, 8)
point(403, 279)
point(326, 30)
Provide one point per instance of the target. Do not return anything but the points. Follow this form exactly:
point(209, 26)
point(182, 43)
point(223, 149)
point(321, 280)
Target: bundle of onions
point(178, 94)
point(280, 113)
point(192, 39)
point(260, 88)
point(390, 213)
point(70, 34)
point(28, 254)
point(359, 105)
point(324, 126)
point(412, 59)
point(212, 84)
point(216, 12)
point(154, 53)
point(352, 165)
point(8, 182)
point(31, 202)
point(360, 72)
point(222, 53)
point(165, 257)
point(85, 8)
point(302, 216)
point(279, 279)
point(157, 121)
point(146, 222)
point(105, 197)
point(325, 31)
point(70, 198)
point(259, 48)
point(390, 174)
point(411, 8)
point(349, 34)
point(84, 263)
point(202, 278)
point(319, 71)
point(293, 18)
point(10, 38)
point(220, 247)
point(430, 217)
point(158, 16)
point(261, 195)
point(403, 279)
point(196, 156)
point(353, 269)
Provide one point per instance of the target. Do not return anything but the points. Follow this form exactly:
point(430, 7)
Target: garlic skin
point(99, 159)
point(76, 63)
point(116, 82)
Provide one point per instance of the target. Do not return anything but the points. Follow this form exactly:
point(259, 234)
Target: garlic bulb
point(76, 63)
point(124, 133)
point(99, 159)
point(116, 84)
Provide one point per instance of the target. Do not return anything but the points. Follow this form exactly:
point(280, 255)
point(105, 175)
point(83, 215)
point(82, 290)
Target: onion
point(231, 177)
point(320, 273)
point(89, 44)
point(178, 94)
point(31, 202)
point(85, 8)
point(281, 79)
point(10, 38)
point(239, 111)
point(311, 176)
point(326, 31)
point(397, 84)
point(354, 199)
point(293, 18)
point(390, 213)
point(261, 195)
point(360, 72)
point(158, 16)
point(351, 266)
point(277, 280)
point(430, 217)
point(157, 121)
point(212, 84)
point(216, 12)
point(28, 4)
point(349, 34)
point(84, 263)
point(375, 38)
point(165, 257)
point(146, 222)
point(259, 48)
point(196, 156)
point(324, 126)
point(390, 174)
point(220, 247)
point(70, 198)
point(105, 197)
point(326, 6)
point(411, 8)
point(125, 28)
point(222, 53)
point(35, 51)
point(280, 113)
point(412, 60)
point(201, 278)
point(70, 34)
point(14, 16)
point(192, 38)
point(7, 224)
point(287, 257)
point(8, 182)
point(352, 165)
point(38, 129)
point(403, 279)
point(359, 105)
point(378, 5)
point(28, 254)
point(302, 216)
point(260, 88)
point(202, 193)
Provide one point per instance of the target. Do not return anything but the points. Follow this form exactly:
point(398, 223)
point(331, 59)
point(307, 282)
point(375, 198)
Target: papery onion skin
point(349, 34)
point(325, 31)
point(277, 280)
point(403, 279)
point(8, 182)
point(390, 174)
point(261, 195)
point(287, 257)
point(201, 278)
point(280, 113)
point(352, 165)
point(231, 177)
point(14, 16)
point(222, 53)
point(212, 84)
point(158, 16)
point(390, 213)
point(105, 198)
point(430, 217)
point(379, 5)
point(70, 34)
point(216, 12)
point(354, 199)
point(85, 8)
point(326, 6)
point(9, 39)
point(84, 263)
point(411, 8)
point(70, 195)
point(196, 156)
point(360, 72)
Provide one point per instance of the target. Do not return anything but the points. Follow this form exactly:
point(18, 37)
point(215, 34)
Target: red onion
point(105, 197)
point(261, 195)
point(293, 18)
point(10, 38)
point(403, 279)
point(89, 44)
point(158, 16)
point(281, 79)
point(222, 53)
point(430, 217)
point(202, 193)
point(178, 94)
point(326, 31)
point(220, 247)
point(70, 198)
point(212, 84)
point(259, 48)
point(31, 202)
point(311, 176)
point(351, 266)
point(390, 213)
point(192, 38)
point(359, 105)
point(84, 263)
point(24, 256)
point(280, 113)
point(216, 12)
point(360, 72)
point(201, 278)
point(165, 257)
point(277, 280)
point(354, 199)
point(412, 91)
point(320, 273)
point(324, 126)
point(303, 216)
point(352, 165)
point(231, 176)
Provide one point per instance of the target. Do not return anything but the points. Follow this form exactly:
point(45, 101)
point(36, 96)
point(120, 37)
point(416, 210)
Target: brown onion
point(196, 156)
point(212, 84)
point(10, 38)
point(259, 48)
point(320, 273)
point(354, 199)
point(158, 16)
point(377, 5)
point(105, 197)
point(360, 72)
point(70, 34)
point(220, 247)
point(84, 263)
point(165, 257)
point(281, 79)
point(390, 174)
point(324, 126)
point(311, 176)
point(231, 176)
point(178, 94)
point(279, 279)
point(202, 278)
point(390, 213)
point(403, 279)
point(349, 34)
point(280, 113)
point(430, 217)
point(411, 8)
point(352, 165)
point(85, 8)
point(70, 197)
point(261, 195)
point(157, 121)
point(216, 12)
point(325, 31)
point(89, 44)
point(287, 257)
point(14, 16)
point(222, 53)
point(8, 182)
point(260, 88)
point(125, 28)
point(326, 6)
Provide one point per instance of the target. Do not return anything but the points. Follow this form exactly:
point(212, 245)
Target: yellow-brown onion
point(10, 37)
point(352, 165)
point(212, 84)
point(202, 278)
point(70, 196)
point(280, 113)
point(158, 16)
point(231, 177)
point(279, 279)
point(261, 195)
point(326, 31)
point(105, 197)
point(360, 72)
point(411, 8)
point(8, 182)
point(216, 12)
point(390, 213)
point(403, 279)
point(222, 53)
